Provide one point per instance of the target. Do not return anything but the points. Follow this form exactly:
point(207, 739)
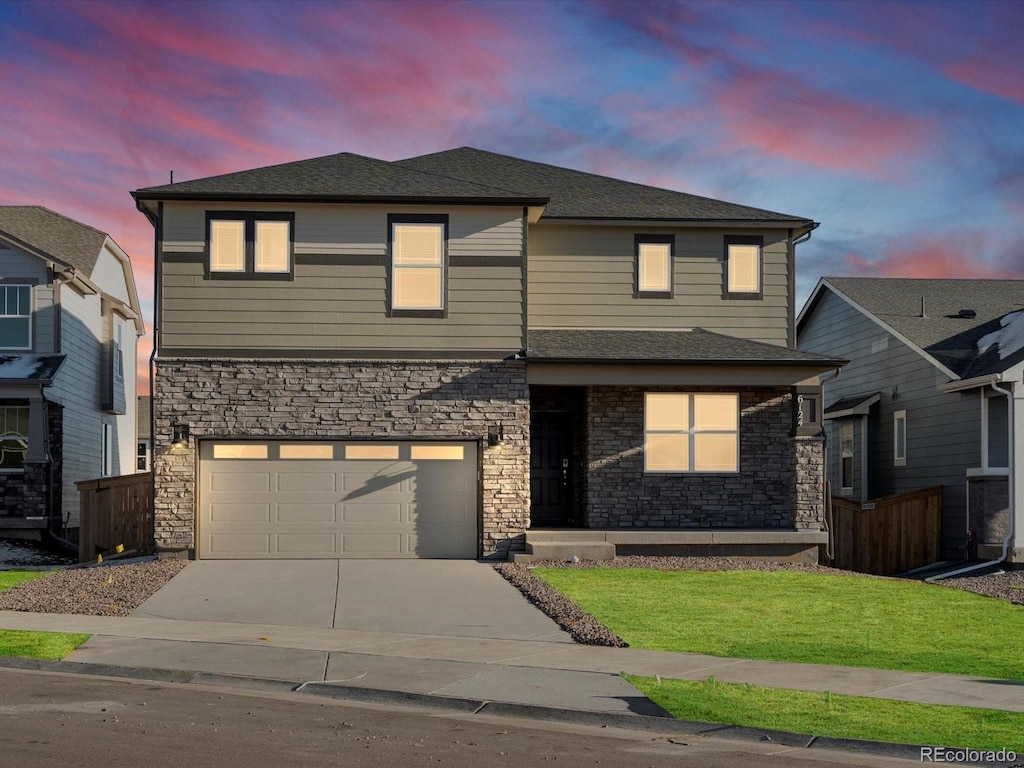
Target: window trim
point(4, 285)
point(249, 219)
point(691, 431)
point(899, 460)
point(142, 456)
point(727, 292)
point(416, 218)
point(668, 240)
point(3, 423)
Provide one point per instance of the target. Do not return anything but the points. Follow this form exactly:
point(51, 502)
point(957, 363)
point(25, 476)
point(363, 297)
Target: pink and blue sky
point(898, 125)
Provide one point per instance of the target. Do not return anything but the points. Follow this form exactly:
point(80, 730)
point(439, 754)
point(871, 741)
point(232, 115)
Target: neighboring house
point(932, 396)
point(69, 322)
point(144, 436)
point(430, 357)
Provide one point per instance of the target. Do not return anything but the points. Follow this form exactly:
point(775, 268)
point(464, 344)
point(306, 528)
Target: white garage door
point(280, 499)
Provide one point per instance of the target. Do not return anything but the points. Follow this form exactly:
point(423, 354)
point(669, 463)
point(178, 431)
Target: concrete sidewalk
point(547, 673)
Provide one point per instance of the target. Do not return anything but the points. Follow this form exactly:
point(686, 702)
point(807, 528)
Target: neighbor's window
point(142, 457)
point(996, 448)
point(107, 458)
point(246, 244)
point(846, 457)
point(417, 263)
point(15, 316)
point(743, 267)
point(118, 351)
point(13, 436)
point(899, 438)
point(654, 266)
point(691, 432)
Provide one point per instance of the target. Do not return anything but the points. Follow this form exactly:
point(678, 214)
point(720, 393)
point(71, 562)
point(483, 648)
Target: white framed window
point(899, 439)
point(743, 267)
point(418, 263)
point(107, 461)
point(13, 437)
point(142, 457)
point(15, 316)
point(846, 457)
point(691, 432)
point(247, 244)
point(654, 266)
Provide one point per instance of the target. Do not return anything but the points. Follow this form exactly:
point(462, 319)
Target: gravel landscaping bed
point(108, 590)
point(585, 629)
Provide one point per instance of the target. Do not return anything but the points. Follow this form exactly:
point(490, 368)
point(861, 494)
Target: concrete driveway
point(455, 598)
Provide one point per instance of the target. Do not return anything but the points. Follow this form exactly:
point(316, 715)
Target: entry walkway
point(543, 672)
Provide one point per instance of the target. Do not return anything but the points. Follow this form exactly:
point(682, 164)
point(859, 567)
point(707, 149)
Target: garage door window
point(371, 452)
point(246, 451)
point(437, 452)
point(307, 451)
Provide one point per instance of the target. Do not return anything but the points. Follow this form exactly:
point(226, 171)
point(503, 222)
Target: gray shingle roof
point(942, 333)
point(695, 345)
point(464, 174)
point(576, 194)
point(57, 236)
point(344, 176)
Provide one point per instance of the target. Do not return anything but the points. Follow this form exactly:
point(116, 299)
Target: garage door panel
point(306, 513)
point(226, 512)
point(381, 504)
point(306, 544)
point(307, 482)
point(223, 480)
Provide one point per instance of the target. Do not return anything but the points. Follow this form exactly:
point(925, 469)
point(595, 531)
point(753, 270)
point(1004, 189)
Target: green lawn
point(803, 617)
point(34, 645)
point(824, 714)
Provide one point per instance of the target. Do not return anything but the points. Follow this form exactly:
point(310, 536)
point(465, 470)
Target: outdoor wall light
point(180, 439)
point(495, 435)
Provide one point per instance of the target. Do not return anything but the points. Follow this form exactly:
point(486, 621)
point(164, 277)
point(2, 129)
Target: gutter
point(1011, 529)
point(961, 385)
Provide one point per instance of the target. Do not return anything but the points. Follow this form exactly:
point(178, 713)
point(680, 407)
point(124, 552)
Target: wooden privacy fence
point(889, 535)
point(115, 510)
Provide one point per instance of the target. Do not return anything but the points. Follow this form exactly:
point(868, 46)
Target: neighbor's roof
point(55, 235)
point(464, 175)
point(40, 368)
point(694, 345)
point(942, 333)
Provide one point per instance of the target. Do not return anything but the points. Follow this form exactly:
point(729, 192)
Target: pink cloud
point(968, 255)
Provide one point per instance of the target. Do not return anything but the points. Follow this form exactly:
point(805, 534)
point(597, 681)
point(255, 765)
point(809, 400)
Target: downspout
point(158, 232)
point(826, 485)
point(1010, 495)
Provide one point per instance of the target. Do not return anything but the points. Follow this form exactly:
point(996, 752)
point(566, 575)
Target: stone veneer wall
point(342, 399)
point(779, 485)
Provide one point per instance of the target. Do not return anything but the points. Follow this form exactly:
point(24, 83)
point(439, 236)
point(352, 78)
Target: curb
point(455, 705)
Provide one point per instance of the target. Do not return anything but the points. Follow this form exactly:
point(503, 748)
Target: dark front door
point(551, 478)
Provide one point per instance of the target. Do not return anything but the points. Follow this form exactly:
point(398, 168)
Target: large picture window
point(418, 263)
point(15, 317)
point(13, 436)
point(691, 432)
point(249, 245)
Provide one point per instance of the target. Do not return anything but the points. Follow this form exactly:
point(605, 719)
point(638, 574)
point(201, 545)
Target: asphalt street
point(59, 720)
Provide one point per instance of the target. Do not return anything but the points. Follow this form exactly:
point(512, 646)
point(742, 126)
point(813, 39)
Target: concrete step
point(564, 535)
point(566, 550)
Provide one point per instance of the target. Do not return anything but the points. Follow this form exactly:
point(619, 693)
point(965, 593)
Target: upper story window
point(250, 245)
point(691, 432)
point(418, 250)
point(744, 267)
point(15, 316)
point(653, 267)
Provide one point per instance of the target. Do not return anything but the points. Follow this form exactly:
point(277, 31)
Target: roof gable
point(925, 314)
point(53, 235)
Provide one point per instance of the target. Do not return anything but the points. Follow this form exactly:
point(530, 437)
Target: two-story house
point(69, 323)
point(932, 396)
point(432, 357)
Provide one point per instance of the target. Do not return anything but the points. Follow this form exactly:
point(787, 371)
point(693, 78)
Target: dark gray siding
point(943, 430)
point(582, 277)
point(337, 301)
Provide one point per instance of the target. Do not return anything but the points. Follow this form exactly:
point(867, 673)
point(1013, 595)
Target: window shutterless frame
point(16, 316)
point(645, 259)
point(396, 220)
point(899, 439)
point(249, 268)
point(731, 287)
